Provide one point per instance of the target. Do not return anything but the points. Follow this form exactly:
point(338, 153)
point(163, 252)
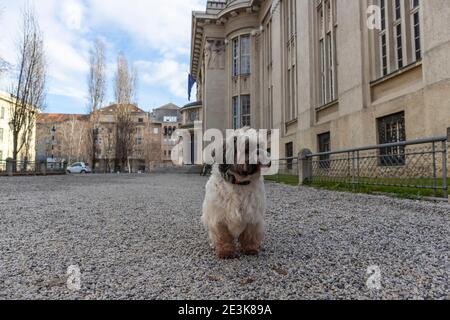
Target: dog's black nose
point(251, 169)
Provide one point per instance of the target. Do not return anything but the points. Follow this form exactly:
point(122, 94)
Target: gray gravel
point(140, 237)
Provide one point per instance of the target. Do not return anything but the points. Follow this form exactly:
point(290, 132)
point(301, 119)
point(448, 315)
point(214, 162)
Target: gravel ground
point(140, 237)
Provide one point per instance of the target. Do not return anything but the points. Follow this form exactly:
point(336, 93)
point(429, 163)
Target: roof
point(112, 108)
point(192, 105)
point(168, 110)
point(169, 106)
point(58, 118)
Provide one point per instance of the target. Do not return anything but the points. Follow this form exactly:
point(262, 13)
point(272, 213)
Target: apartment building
point(329, 74)
point(167, 119)
point(62, 137)
point(27, 151)
point(66, 137)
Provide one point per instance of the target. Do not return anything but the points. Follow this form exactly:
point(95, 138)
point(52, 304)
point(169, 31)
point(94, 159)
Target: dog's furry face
point(246, 165)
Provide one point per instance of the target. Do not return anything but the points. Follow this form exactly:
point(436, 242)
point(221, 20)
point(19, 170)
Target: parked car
point(79, 167)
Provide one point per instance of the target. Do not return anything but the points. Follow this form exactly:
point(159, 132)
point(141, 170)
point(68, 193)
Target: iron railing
point(20, 167)
point(288, 170)
point(417, 164)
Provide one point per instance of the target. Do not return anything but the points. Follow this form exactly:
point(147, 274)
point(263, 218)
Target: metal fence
point(417, 164)
point(9, 167)
point(288, 170)
point(287, 166)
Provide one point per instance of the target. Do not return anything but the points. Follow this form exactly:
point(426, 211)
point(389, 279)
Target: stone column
point(305, 167)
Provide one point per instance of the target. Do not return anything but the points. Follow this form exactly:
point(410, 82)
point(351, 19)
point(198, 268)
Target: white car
point(79, 167)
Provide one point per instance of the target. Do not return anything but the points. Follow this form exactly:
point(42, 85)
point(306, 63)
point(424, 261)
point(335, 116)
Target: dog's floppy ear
point(264, 159)
point(216, 155)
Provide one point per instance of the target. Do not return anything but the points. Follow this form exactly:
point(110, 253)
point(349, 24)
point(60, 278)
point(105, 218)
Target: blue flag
point(191, 82)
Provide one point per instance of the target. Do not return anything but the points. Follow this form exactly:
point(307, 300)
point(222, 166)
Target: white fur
point(233, 205)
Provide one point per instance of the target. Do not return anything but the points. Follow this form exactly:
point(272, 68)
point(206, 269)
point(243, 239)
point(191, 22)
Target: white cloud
point(161, 25)
point(65, 48)
point(73, 14)
point(159, 28)
point(164, 73)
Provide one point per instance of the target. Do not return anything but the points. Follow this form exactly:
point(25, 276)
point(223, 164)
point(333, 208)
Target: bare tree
point(124, 89)
point(28, 88)
point(73, 133)
point(97, 90)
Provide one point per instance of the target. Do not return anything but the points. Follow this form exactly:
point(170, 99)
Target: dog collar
point(232, 179)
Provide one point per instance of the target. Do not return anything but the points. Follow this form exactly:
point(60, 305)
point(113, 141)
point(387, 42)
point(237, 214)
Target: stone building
point(66, 137)
point(106, 139)
point(62, 137)
point(329, 74)
point(167, 119)
point(6, 134)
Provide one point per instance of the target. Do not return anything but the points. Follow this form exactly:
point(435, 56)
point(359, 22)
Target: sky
point(154, 35)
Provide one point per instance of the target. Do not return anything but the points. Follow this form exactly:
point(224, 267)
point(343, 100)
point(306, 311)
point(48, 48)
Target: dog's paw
point(226, 254)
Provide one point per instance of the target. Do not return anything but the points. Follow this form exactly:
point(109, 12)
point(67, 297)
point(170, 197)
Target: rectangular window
point(289, 154)
point(245, 111)
point(1, 135)
point(1, 155)
point(236, 57)
point(327, 33)
point(398, 45)
point(241, 56)
point(291, 21)
point(417, 46)
point(293, 93)
point(391, 129)
point(2, 113)
point(245, 55)
point(289, 14)
point(397, 10)
point(384, 61)
point(324, 145)
point(236, 113)
point(322, 73)
point(330, 68)
point(241, 112)
point(415, 22)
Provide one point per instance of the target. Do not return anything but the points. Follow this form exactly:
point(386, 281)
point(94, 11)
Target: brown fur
point(225, 245)
point(251, 239)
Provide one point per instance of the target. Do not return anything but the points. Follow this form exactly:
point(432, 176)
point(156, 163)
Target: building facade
point(167, 119)
point(329, 74)
point(105, 139)
point(191, 114)
point(62, 137)
point(65, 137)
point(6, 134)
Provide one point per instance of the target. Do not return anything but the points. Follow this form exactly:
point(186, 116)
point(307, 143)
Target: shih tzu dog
point(235, 200)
